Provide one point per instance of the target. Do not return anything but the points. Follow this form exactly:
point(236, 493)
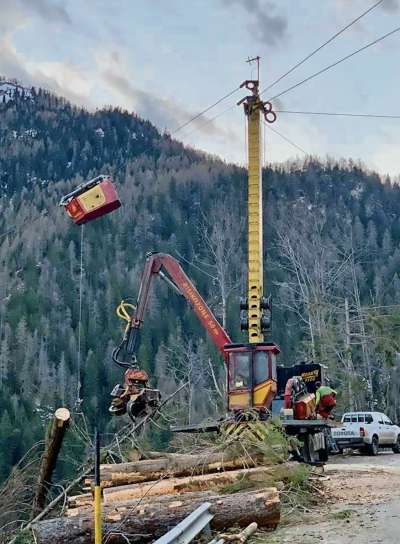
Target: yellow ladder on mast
point(254, 107)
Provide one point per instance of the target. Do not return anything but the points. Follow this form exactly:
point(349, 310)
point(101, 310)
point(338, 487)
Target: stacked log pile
point(148, 497)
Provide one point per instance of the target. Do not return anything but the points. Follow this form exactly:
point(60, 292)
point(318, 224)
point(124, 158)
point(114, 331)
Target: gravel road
point(362, 505)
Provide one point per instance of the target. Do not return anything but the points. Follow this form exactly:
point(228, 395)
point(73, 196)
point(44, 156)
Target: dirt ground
point(360, 504)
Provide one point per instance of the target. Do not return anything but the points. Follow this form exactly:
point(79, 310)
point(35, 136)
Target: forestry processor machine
point(255, 384)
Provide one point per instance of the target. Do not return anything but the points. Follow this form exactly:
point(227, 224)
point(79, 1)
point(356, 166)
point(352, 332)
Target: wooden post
point(349, 361)
point(55, 434)
point(98, 528)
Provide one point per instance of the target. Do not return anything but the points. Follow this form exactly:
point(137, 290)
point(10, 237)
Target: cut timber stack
point(152, 519)
point(150, 496)
point(173, 465)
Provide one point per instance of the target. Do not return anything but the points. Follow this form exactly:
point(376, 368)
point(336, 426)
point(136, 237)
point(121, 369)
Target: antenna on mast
point(257, 60)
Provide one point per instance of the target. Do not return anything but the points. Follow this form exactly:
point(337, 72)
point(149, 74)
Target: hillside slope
point(183, 202)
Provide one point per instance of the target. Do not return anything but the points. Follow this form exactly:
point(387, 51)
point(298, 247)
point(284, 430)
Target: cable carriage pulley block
point(91, 200)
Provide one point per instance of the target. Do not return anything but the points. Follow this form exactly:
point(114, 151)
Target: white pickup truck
point(367, 432)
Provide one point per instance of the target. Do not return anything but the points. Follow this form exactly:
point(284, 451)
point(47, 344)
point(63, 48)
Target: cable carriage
point(91, 200)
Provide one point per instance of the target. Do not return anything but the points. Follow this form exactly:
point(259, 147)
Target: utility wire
point(277, 80)
point(205, 111)
point(339, 114)
point(211, 119)
point(287, 139)
point(79, 383)
point(331, 39)
point(381, 38)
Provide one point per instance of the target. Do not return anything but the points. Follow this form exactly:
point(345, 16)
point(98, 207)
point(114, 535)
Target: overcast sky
point(169, 59)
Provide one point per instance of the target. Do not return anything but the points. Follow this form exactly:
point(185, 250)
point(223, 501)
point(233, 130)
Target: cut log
point(115, 509)
point(155, 518)
point(171, 468)
point(54, 438)
point(174, 486)
point(182, 485)
point(168, 462)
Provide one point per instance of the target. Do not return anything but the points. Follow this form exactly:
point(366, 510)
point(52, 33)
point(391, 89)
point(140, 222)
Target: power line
point(180, 127)
point(205, 111)
point(340, 114)
point(322, 46)
point(212, 119)
point(381, 38)
point(288, 140)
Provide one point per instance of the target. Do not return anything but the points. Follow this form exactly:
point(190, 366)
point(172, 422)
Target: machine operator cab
point(251, 375)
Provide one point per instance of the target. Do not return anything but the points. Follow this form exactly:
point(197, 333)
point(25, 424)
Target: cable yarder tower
point(256, 308)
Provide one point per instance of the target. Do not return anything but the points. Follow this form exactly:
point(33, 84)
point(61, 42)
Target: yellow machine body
point(251, 376)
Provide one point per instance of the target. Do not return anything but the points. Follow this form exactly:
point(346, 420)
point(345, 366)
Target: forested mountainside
point(332, 235)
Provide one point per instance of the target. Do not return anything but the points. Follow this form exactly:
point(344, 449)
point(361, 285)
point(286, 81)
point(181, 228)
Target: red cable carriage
point(91, 200)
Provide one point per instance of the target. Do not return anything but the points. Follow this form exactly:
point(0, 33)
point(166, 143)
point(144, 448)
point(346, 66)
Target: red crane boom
point(170, 270)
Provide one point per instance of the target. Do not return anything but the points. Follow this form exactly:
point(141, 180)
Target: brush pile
point(143, 499)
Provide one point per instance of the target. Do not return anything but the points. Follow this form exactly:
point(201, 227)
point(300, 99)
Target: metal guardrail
point(189, 528)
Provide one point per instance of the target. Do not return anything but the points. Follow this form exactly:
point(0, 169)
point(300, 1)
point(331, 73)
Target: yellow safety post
point(98, 521)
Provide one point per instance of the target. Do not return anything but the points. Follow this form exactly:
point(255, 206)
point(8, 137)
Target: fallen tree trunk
point(116, 510)
point(145, 471)
point(155, 518)
point(174, 486)
point(169, 461)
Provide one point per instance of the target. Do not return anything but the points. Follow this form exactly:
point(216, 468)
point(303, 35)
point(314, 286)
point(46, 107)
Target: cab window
point(240, 370)
point(369, 418)
point(261, 373)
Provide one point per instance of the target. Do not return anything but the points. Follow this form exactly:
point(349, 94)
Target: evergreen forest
point(332, 261)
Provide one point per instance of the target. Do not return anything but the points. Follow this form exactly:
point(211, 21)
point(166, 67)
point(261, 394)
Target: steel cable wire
point(331, 39)
point(339, 61)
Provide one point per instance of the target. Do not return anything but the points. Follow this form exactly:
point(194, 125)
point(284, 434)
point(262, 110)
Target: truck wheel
point(310, 455)
point(373, 448)
point(324, 455)
point(396, 447)
point(308, 452)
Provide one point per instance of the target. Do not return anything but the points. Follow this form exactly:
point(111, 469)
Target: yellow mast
point(256, 302)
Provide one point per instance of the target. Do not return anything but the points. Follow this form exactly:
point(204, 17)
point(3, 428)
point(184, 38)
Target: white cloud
point(11, 17)
point(60, 77)
point(163, 112)
point(385, 159)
